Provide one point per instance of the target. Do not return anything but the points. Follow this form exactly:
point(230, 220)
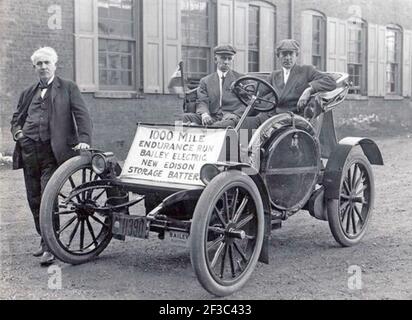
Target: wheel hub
point(85, 210)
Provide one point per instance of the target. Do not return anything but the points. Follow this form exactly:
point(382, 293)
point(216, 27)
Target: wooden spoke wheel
point(227, 233)
point(349, 215)
point(70, 227)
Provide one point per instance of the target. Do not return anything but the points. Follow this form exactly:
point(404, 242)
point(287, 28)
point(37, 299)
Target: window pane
point(116, 17)
point(393, 66)
point(197, 32)
point(357, 56)
point(116, 57)
point(318, 42)
point(253, 47)
point(116, 63)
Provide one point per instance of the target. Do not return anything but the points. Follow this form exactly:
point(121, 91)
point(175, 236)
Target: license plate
point(131, 226)
point(178, 238)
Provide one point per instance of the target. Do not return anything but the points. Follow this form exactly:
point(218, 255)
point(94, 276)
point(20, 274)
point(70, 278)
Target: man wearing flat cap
point(216, 105)
point(294, 83)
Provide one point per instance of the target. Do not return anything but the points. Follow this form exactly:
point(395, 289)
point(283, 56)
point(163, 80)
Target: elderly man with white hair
point(50, 125)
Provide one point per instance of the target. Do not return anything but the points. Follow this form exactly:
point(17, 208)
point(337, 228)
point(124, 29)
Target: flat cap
point(225, 49)
point(288, 45)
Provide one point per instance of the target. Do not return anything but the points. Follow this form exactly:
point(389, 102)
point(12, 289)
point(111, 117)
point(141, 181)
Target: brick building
point(122, 53)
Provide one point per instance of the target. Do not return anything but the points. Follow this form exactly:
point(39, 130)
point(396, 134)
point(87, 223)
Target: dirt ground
point(305, 261)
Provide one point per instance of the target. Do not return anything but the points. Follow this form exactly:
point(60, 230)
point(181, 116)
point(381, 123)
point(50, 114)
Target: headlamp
point(208, 172)
point(100, 162)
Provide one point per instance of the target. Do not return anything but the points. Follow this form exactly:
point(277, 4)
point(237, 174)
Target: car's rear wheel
point(349, 215)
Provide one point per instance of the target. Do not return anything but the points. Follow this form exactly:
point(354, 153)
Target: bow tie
point(44, 86)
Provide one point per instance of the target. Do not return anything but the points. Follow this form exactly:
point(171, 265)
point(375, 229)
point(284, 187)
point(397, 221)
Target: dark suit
point(67, 105)
point(208, 98)
point(300, 78)
point(69, 123)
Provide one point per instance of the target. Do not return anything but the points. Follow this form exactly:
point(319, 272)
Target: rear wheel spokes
point(354, 193)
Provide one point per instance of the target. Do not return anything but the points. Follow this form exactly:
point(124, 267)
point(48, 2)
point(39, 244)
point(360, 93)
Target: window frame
point(322, 38)
point(136, 55)
point(257, 48)
point(398, 51)
point(362, 26)
point(212, 38)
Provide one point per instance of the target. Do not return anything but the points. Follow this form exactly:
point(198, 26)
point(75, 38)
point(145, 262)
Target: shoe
point(39, 252)
point(47, 259)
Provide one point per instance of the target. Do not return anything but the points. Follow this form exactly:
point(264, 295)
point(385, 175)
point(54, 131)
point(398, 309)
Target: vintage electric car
point(215, 189)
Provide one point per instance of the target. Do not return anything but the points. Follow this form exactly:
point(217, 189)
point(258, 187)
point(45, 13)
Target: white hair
point(45, 51)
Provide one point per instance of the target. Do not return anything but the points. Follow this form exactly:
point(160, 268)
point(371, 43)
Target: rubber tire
point(50, 193)
point(355, 156)
point(199, 225)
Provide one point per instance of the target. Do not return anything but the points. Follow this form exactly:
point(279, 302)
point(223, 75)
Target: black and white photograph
point(221, 151)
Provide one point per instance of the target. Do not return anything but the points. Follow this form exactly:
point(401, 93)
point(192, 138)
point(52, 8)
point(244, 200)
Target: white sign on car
point(172, 154)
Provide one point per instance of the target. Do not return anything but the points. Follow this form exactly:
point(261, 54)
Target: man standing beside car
point(51, 124)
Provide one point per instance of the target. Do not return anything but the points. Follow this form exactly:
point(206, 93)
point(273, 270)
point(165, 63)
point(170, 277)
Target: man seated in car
point(293, 83)
point(216, 104)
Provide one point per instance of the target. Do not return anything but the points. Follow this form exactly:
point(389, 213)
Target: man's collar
point(286, 70)
point(49, 81)
point(220, 73)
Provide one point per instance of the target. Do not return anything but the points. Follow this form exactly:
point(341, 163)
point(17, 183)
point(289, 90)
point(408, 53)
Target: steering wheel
point(248, 88)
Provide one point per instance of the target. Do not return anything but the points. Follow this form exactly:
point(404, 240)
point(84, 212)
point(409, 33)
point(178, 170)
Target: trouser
point(197, 118)
point(218, 119)
point(39, 164)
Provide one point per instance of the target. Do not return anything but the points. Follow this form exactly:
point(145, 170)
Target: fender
point(257, 179)
point(334, 167)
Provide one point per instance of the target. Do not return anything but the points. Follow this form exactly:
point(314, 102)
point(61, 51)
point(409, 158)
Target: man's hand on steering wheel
point(207, 119)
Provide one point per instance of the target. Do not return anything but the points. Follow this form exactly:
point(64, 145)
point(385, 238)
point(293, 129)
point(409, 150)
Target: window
point(393, 60)
point(197, 38)
point(253, 42)
point(357, 32)
point(319, 42)
point(117, 44)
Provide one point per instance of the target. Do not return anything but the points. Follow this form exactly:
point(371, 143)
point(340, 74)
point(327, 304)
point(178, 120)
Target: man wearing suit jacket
point(294, 84)
point(216, 105)
point(50, 125)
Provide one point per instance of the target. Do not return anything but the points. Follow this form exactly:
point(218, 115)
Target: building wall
point(115, 119)
point(24, 29)
point(388, 116)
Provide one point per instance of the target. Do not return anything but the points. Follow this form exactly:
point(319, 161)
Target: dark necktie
point(44, 86)
point(221, 89)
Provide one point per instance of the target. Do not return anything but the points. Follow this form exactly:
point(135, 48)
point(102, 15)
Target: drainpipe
point(291, 18)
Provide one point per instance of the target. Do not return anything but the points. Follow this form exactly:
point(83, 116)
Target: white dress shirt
point(221, 74)
point(286, 73)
